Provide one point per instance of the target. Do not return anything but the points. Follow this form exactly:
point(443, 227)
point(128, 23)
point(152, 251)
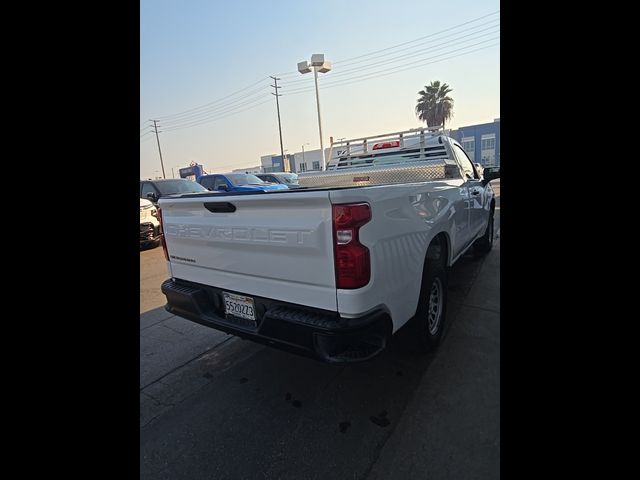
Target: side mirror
point(490, 173)
point(152, 196)
point(223, 188)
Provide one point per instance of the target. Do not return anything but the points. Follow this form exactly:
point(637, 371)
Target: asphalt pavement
point(215, 406)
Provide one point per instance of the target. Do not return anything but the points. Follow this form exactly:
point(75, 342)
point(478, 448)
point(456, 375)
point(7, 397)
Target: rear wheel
point(432, 308)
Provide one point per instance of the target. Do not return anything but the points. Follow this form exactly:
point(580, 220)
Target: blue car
point(238, 182)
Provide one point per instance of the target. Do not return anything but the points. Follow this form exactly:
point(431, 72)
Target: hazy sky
point(196, 56)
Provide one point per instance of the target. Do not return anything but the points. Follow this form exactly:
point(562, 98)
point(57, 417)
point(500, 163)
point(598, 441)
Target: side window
point(207, 182)
point(467, 167)
point(220, 181)
point(147, 188)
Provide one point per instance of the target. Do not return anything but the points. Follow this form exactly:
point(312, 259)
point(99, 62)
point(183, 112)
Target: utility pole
point(155, 126)
point(275, 80)
point(173, 175)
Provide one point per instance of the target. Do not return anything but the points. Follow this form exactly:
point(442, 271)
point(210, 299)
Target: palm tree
point(434, 105)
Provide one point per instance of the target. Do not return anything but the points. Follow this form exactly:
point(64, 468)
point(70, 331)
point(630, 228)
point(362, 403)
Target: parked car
point(237, 182)
point(288, 179)
point(153, 190)
point(149, 224)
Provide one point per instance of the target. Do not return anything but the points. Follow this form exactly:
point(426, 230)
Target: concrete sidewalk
point(451, 427)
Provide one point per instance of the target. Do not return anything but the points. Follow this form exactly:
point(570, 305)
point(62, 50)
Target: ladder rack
point(413, 144)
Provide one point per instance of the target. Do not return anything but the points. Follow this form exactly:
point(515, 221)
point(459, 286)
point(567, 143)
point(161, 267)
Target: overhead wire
point(404, 43)
point(227, 106)
point(469, 37)
point(397, 68)
point(344, 82)
point(171, 129)
point(222, 109)
point(212, 102)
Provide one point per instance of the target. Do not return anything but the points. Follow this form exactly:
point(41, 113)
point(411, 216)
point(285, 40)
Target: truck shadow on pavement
point(247, 411)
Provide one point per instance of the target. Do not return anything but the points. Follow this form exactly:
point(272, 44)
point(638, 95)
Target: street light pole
point(318, 64)
point(315, 77)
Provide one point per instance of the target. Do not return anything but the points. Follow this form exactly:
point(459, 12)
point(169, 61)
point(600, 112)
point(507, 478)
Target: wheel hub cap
point(434, 311)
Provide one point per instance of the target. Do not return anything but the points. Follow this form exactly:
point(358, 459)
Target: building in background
point(309, 161)
point(274, 163)
point(481, 142)
point(299, 162)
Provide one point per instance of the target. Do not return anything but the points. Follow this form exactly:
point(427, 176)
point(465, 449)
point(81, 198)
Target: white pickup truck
point(333, 269)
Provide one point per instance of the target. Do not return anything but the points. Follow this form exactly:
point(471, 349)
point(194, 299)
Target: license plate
point(239, 306)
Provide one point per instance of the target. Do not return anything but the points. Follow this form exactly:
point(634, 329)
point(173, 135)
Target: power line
point(420, 38)
point(344, 82)
point(434, 48)
point(404, 43)
point(220, 108)
point(214, 108)
point(449, 43)
point(213, 102)
point(218, 118)
point(395, 68)
point(195, 121)
point(405, 56)
point(217, 110)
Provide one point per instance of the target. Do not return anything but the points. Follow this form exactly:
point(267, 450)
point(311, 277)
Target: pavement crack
point(491, 310)
point(187, 362)
point(156, 323)
point(173, 329)
point(159, 402)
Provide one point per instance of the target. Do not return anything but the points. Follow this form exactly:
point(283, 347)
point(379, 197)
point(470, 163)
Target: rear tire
point(484, 244)
point(432, 307)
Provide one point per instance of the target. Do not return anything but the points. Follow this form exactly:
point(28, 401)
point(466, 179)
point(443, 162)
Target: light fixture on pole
point(318, 64)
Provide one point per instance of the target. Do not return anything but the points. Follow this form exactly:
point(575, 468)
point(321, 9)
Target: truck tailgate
point(278, 246)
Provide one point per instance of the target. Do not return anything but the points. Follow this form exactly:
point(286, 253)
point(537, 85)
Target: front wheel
point(484, 244)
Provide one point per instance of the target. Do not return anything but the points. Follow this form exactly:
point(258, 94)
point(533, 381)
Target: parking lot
point(213, 406)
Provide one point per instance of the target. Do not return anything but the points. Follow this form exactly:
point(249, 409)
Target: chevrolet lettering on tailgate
point(243, 234)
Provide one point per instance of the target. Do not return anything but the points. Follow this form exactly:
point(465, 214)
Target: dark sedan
point(154, 189)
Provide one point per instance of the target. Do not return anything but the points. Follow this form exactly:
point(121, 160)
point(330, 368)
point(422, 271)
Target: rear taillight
point(353, 268)
point(162, 240)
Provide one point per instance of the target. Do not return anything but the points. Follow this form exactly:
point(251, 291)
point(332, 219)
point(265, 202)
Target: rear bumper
point(312, 332)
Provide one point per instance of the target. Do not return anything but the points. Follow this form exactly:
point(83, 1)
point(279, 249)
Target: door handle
point(220, 207)
point(475, 192)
